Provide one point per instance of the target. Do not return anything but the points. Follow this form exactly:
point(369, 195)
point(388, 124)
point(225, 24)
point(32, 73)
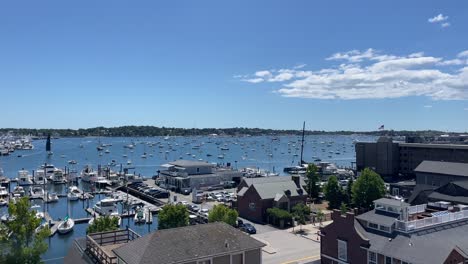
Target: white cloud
point(428, 106)
point(437, 19)
point(369, 74)
point(446, 24)
point(463, 54)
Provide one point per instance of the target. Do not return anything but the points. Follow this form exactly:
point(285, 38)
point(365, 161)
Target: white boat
point(72, 196)
point(19, 190)
point(49, 170)
point(66, 226)
point(140, 216)
point(24, 178)
point(57, 177)
point(129, 162)
point(88, 174)
point(106, 206)
point(3, 202)
point(3, 192)
point(52, 197)
point(39, 177)
point(36, 192)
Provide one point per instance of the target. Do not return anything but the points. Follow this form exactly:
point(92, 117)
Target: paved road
point(289, 248)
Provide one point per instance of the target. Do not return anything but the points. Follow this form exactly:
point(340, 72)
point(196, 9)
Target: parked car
point(248, 228)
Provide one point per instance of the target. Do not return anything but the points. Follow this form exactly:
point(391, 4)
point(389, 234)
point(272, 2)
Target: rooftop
point(190, 163)
point(391, 202)
point(250, 181)
point(446, 168)
point(376, 218)
point(270, 189)
point(186, 243)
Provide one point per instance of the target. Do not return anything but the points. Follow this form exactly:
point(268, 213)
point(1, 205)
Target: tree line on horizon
point(152, 131)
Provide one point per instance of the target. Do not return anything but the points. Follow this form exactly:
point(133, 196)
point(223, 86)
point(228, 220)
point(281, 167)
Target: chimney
point(297, 180)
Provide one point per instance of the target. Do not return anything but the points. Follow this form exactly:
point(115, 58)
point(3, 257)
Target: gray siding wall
point(222, 260)
point(253, 256)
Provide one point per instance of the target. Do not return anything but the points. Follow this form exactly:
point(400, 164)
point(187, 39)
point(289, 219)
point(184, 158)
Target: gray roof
point(242, 191)
point(426, 246)
point(186, 243)
point(190, 163)
point(436, 196)
point(250, 181)
point(440, 167)
point(391, 202)
point(269, 190)
point(441, 146)
point(375, 218)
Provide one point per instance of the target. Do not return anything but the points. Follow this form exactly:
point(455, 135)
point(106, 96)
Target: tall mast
point(302, 143)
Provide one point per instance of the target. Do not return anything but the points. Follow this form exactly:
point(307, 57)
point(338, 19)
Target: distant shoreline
point(153, 131)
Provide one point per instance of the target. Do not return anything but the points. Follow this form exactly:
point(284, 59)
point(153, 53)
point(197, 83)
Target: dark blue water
point(269, 153)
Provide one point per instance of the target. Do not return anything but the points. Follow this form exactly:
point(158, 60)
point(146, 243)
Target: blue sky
point(338, 65)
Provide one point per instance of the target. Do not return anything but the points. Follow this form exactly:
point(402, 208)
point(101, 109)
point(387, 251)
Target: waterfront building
point(389, 158)
point(254, 200)
point(396, 232)
point(185, 175)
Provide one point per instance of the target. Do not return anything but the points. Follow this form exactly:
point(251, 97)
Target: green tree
point(172, 216)
point(333, 193)
point(320, 216)
point(343, 208)
point(221, 213)
point(278, 216)
point(103, 224)
point(348, 193)
point(301, 213)
point(367, 188)
point(313, 179)
point(20, 243)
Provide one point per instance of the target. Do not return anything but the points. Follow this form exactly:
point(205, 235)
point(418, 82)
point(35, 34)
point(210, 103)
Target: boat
point(220, 156)
point(39, 177)
point(302, 166)
point(3, 202)
point(106, 206)
point(48, 146)
point(107, 151)
point(24, 178)
point(57, 177)
point(19, 190)
point(72, 162)
point(88, 174)
point(48, 170)
point(36, 192)
point(129, 162)
point(52, 197)
point(72, 196)
point(66, 226)
point(140, 216)
point(3, 196)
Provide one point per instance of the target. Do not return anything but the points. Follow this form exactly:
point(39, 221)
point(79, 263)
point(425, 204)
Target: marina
point(68, 192)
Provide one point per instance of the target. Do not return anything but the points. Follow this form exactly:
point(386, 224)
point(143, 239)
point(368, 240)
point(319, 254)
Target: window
point(396, 191)
point(385, 228)
point(342, 250)
point(372, 257)
point(372, 225)
point(388, 260)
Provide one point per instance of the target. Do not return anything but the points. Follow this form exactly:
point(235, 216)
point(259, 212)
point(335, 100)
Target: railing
point(95, 242)
point(417, 209)
point(430, 221)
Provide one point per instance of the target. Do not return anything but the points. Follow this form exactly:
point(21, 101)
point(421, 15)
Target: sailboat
point(302, 166)
point(67, 224)
point(48, 146)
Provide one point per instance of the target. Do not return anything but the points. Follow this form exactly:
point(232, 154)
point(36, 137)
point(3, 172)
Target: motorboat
point(3, 192)
point(57, 177)
point(106, 206)
point(19, 190)
point(72, 162)
point(52, 197)
point(36, 192)
point(49, 170)
point(88, 174)
point(39, 177)
point(66, 226)
point(39, 213)
point(140, 216)
point(73, 196)
point(24, 178)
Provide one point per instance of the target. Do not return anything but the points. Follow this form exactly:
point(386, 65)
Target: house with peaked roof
point(254, 200)
point(397, 233)
point(214, 243)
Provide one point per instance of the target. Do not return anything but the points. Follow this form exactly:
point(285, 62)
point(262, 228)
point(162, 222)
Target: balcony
point(444, 217)
point(99, 246)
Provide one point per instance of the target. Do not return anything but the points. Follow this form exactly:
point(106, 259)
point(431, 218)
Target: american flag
point(382, 127)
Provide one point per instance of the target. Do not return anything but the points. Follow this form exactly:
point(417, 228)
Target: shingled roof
point(269, 190)
point(186, 243)
point(446, 168)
